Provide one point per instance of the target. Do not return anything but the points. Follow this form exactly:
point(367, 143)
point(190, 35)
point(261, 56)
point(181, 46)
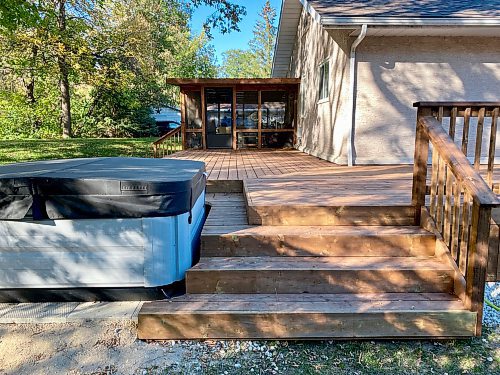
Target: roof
point(401, 8)
point(385, 17)
point(231, 81)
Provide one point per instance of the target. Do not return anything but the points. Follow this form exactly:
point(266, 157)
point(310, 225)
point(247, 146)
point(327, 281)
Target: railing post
point(477, 260)
point(420, 166)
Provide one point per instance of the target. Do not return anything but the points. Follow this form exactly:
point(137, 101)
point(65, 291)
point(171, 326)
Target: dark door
point(219, 117)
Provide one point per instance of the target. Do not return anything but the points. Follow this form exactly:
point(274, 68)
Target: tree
point(239, 63)
point(88, 66)
point(264, 36)
point(255, 61)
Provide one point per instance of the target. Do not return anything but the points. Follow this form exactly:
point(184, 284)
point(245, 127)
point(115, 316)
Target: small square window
point(324, 75)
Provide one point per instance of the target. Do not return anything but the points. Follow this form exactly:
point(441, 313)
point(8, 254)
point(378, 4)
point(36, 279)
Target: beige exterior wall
point(322, 125)
point(394, 72)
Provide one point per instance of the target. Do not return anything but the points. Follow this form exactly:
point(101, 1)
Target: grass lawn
point(468, 356)
point(36, 149)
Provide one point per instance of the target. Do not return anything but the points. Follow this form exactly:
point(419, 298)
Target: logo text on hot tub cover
point(133, 187)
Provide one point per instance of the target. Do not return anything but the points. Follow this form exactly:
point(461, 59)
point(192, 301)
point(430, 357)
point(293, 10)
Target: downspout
point(352, 94)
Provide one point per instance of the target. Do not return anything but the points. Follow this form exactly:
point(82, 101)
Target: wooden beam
point(203, 118)
point(183, 119)
point(420, 166)
point(232, 81)
point(295, 118)
point(456, 104)
point(478, 261)
point(234, 135)
point(259, 129)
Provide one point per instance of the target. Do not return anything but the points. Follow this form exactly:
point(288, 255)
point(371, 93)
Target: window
point(277, 110)
point(247, 109)
point(193, 110)
point(302, 96)
point(324, 74)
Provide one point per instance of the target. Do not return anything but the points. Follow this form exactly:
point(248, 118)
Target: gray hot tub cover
point(100, 188)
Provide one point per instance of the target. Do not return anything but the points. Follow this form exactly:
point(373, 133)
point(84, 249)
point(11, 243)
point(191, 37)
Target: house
point(363, 63)
point(166, 118)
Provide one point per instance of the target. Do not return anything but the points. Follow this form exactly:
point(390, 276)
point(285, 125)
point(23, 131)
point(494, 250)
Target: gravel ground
point(111, 348)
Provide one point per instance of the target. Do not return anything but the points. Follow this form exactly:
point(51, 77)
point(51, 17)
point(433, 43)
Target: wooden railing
point(460, 200)
point(168, 143)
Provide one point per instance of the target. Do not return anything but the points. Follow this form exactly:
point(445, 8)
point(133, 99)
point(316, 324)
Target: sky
point(232, 40)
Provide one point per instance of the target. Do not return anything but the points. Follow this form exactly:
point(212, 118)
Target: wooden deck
point(291, 177)
point(243, 164)
point(307, 249)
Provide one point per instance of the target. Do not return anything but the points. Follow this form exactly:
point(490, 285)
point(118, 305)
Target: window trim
point(324, 78)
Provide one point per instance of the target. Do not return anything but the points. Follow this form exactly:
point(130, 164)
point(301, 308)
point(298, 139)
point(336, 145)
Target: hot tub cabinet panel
point(145, 252)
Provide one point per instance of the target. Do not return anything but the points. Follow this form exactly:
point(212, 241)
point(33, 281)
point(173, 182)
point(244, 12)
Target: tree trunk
point(30, 88)
point(63, 74)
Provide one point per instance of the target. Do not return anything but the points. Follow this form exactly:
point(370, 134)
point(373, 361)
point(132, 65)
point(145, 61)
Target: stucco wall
point(322, 126)
point(394, 72)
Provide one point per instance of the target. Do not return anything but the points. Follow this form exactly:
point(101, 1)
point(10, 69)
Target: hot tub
point(100, 222)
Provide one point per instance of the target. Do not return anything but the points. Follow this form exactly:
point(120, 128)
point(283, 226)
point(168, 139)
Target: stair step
point(306, 316)
point(331, 215)
point(319, 275)
point(363, 241)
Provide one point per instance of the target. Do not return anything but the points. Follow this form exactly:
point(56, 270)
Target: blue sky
point(234, 39)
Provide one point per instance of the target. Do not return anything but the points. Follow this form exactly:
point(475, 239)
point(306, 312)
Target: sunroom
point(238, 113)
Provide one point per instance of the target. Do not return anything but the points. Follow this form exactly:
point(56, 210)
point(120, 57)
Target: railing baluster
point(464, 238)
point(453, 122)
point(440, 182)
point(455, 230)
point(479, 139)
point(434, 183)
point(465, 131)
point(449, 208)
point(492, 147)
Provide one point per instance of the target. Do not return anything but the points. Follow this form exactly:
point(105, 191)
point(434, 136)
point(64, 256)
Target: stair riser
point(314, 215)
point(306, 325)
point(319, 281)
point(317, 245)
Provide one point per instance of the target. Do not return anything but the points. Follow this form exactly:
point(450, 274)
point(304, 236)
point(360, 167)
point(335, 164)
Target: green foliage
point(256, 61)
point(239, 63)
point(225, 18)
point(114, 54)
point(16, 13)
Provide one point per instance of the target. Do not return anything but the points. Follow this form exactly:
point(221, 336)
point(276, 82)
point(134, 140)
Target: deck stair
point(311, 282)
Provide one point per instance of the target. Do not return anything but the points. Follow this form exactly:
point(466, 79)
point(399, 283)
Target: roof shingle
point(412, 9)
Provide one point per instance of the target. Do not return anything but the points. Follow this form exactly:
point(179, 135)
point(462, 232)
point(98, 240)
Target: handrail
point(167, 135)
point(460, 166)
point(456, 104)
point(460, 201)
point(171, 139)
